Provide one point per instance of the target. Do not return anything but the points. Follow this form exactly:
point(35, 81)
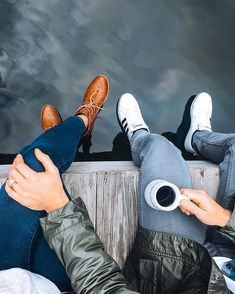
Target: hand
point(204, 208)
point(36, 190)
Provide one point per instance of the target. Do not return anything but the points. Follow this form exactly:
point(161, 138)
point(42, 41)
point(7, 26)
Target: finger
point(16, 176)
point(202, 192)
point(193, 195)
point(23, 200)
point(19, 158)
point(10, 182)
point(11, 192)
point(193, 191)
point(191, 207)
point(14, 163)
point(18, 188)
point(9, 172)
point(12, 166)
point(15, 186)
point(45, 160)
point(188, 212)
point(17, 196)
point(24, 169)
point(16, 160)
point(184, 210)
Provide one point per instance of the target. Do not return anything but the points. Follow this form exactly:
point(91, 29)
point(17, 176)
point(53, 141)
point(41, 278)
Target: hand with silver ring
point(36, 190)
point(13, 184)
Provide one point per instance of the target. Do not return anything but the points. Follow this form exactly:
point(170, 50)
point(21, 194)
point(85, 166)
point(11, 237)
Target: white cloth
point(20, 281)
point(220, 261)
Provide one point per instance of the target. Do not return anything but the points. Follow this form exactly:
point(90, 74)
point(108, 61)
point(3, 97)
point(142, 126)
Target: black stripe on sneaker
point(125, 126)
point(123, 120)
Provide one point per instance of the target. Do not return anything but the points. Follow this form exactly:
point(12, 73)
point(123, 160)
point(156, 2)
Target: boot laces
point(92, 105)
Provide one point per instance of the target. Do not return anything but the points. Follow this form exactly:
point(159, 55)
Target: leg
point(23, 238)
point(86, 144)
point(197, 137)
point(60, 143)
point(19, 225)
point(160, 159)
point(220, 149)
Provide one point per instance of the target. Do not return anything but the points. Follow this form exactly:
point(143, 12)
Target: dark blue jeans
point(21, 240)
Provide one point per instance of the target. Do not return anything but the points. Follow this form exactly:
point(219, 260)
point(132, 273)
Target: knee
point(158, 142)
point(231, 143)
point(157, 145)
point(31, 160)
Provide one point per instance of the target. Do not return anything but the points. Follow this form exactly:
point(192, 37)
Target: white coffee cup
point(163, 195)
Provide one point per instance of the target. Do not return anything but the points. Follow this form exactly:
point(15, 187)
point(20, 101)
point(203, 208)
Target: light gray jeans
point(160, 159)
point(220, 149)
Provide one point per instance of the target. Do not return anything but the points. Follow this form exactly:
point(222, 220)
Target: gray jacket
point(158, 262)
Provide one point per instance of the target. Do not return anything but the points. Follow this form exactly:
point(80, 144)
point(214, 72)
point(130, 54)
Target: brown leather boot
point(94, 98)
point(50, 117)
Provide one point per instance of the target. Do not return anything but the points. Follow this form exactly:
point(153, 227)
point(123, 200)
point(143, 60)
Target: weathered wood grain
point(117, 211)
point(109, 190)
point(83, 185)
point(205, 177)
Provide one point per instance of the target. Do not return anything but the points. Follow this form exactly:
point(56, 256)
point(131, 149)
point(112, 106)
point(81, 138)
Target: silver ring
point(12, 185)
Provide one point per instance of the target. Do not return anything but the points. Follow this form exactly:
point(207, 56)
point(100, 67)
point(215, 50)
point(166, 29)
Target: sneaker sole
point(120, 124)
point(188, 138)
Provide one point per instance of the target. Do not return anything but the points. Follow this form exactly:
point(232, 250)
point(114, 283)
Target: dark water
point(162, 51)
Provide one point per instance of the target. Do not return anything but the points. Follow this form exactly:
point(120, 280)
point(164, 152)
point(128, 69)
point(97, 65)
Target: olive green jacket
point(158, 262)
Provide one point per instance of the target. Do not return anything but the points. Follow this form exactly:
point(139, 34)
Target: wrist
point(59, 202)
point(225, 217)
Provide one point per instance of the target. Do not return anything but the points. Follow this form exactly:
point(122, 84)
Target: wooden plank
point(84, 186)
point(87, 167)
point(96, 166)
point(205, 178)
point(117, 212)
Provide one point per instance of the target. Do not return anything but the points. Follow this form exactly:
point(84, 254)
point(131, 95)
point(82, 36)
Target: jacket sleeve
point(229, 230)
point(69, 231)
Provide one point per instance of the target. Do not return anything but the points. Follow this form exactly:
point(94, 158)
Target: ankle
point(142, 129)
point(84, 118)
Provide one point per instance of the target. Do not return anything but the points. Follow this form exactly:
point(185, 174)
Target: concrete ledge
point(97, 166)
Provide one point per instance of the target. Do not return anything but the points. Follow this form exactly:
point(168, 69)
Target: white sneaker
point(200, 114)
point(129, 115)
